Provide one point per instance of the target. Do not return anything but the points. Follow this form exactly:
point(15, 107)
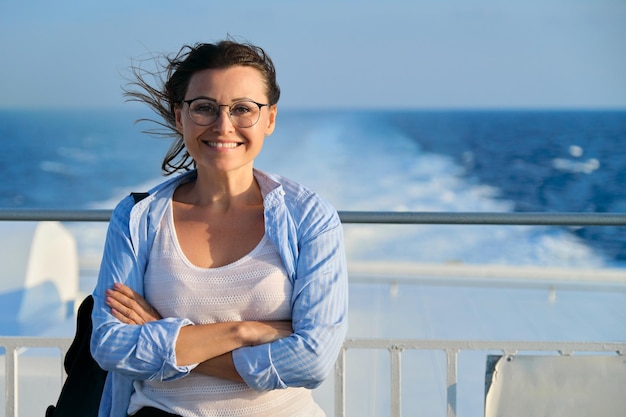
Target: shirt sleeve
point(319, 317)
point(141, 352)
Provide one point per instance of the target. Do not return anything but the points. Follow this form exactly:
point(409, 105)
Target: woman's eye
point(205, 108)
point(241, 109)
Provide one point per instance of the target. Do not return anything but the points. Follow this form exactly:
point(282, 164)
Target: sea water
point(450, 161)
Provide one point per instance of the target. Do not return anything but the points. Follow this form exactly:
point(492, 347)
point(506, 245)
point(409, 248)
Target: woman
point(224, 292)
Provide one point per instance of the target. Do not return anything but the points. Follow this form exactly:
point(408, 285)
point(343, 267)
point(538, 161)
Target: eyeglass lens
point(241, 113)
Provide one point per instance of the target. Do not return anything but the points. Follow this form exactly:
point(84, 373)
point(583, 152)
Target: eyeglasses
point(244, 113)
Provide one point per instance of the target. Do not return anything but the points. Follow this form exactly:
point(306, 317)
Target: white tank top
point(255, 287)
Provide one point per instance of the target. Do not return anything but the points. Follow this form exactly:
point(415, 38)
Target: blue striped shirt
point(307, 233)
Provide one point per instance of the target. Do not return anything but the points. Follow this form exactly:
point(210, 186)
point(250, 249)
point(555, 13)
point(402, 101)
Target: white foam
point(358, 167)
point(583, 167)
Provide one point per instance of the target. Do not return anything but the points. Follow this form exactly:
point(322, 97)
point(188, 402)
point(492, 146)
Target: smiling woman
point(224, 290)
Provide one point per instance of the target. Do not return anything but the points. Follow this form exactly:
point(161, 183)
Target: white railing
point(12, 347)
point(395, 347)
point(452, 349)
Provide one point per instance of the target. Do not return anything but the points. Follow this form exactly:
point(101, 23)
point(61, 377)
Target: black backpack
point(82, 390)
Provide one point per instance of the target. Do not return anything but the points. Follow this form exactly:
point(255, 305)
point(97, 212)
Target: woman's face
point(223, 146)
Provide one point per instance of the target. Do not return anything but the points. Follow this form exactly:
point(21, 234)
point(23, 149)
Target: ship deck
point(421, 335)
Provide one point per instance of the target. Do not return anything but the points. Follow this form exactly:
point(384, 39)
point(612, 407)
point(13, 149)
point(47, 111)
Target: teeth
point(228, 145)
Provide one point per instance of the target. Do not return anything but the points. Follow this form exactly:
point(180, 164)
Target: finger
point(123, 313)
point(135, 302)
point(124, 294)
point(144, 316)
point(126, 290)
point(124, 298)
point(121, 317)
point(130, 308)
point(119, 296)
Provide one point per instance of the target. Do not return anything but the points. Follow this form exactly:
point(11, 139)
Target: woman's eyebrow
point(204, 98)
point(234, 100)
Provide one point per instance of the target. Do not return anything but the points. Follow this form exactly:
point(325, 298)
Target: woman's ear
point(271, 121)
point(178, 114)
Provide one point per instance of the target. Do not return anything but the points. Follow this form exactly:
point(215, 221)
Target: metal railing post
point(340, 384)
point(451, 380)
point(11, 372)
point(396, 380)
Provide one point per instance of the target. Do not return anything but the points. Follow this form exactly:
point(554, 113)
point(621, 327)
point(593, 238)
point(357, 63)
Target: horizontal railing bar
point(63, 343)
point(369, 217)
point(468, 281)
point(554, 219)
point(503, 345)
point(407, 270)
point(21, 342)
point(602, 279)
point(55, 215)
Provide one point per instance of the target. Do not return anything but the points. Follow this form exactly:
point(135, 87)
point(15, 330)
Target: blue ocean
point(415, 160)
point(439, 161)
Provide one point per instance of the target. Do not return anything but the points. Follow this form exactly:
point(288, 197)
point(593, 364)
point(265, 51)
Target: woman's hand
point(259, 332)
point(129, 307)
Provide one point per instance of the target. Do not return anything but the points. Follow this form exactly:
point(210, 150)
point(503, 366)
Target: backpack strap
point(139, 196)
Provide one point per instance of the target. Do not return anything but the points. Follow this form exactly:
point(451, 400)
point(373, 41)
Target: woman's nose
point(223, 122)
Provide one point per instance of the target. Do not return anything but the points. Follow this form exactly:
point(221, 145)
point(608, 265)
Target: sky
point(395, 54)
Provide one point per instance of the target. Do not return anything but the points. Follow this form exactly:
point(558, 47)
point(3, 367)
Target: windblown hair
point(172, 81)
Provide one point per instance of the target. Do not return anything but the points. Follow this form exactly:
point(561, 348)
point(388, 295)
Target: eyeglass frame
point(219, 107)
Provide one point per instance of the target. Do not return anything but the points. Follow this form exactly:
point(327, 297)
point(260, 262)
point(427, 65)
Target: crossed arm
point(210, 345)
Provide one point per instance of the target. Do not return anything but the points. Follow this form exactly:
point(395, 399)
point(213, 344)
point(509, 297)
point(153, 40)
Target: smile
point(223, 145)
